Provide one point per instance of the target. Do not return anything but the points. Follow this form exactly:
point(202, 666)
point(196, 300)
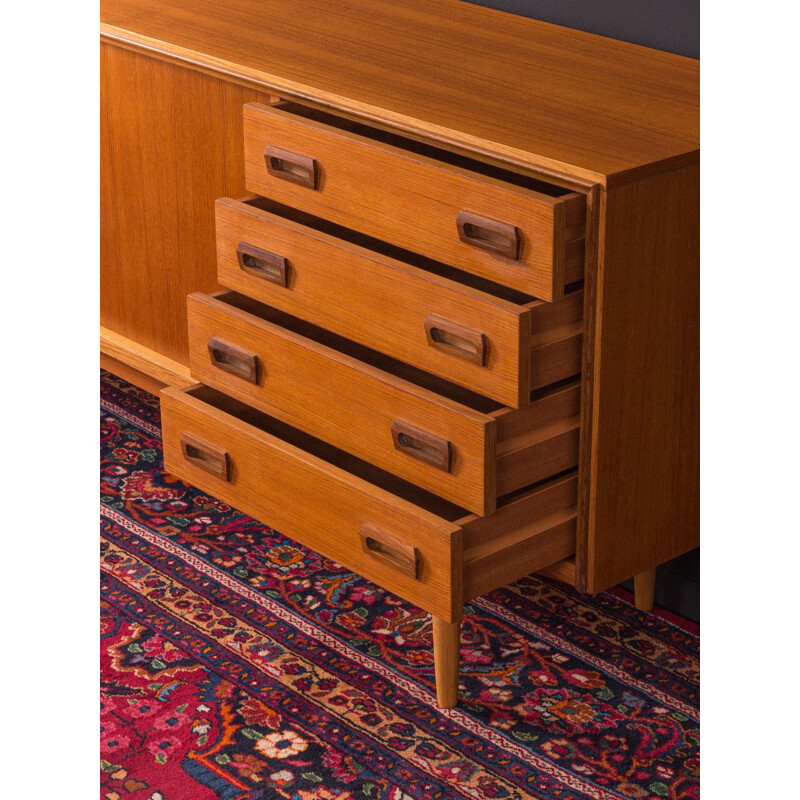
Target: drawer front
point(482, 342)
point(429, 440)
point(400, 546)
point(505, 233)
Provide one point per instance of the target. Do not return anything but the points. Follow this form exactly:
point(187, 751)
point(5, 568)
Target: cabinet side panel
point(171, 143)
point(644, 469)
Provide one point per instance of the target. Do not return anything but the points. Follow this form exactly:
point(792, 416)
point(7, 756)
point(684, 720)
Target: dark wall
point(672, 25)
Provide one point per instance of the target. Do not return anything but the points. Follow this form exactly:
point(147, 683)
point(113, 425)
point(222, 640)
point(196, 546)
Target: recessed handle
point(262, 263)
point(422, 445)
point(206, 456)
point(390, 550)
point(488, 234)
point(455, 339)
point(234, 360)
point(291, 167)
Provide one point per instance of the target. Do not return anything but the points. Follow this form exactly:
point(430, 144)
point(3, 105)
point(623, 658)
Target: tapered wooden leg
point(644, 589)
point(446, 658)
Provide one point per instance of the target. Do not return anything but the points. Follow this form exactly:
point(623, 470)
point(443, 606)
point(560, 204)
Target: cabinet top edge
point(539, 96)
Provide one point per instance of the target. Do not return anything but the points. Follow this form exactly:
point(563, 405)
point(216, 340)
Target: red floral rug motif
point(237, 664)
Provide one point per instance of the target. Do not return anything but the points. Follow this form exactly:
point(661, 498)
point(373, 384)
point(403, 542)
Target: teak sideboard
point(419, 282)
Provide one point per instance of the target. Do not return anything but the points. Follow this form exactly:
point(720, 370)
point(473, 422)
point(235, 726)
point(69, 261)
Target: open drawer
point(430, 552)
point(511, 229)
point(483, 336)
point(459, 445)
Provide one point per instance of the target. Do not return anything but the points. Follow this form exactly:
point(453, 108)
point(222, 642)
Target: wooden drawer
point(424, 549)
point(453, 442)
point(492, 340)
point(514, 230)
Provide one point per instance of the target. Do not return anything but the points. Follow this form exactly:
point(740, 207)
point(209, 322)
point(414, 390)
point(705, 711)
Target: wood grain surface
point(643, 506)
point(377, 300)
point(153, 364)
point(170, 144)
point(315, 502)
point(530, 533)
point(409, 199)
point(446, 660)
point(347, 402)
point(644, 589)
point(450, 71)
point(563, 570)
point(357, 406)
point(616, 121)
point(135, 376)
point(538, 441)
point(310, 492)
point(556, 340)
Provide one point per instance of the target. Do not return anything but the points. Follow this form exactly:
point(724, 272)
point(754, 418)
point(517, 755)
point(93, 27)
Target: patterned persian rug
point(238, 665)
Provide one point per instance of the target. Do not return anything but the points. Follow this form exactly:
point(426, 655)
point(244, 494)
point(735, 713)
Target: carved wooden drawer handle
point(234, 360)
point(262, 263)
point(488, 234)
point(206, 456)
point(390, 550)
point(291, 167)
point(455, 339)
point(425, 446)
